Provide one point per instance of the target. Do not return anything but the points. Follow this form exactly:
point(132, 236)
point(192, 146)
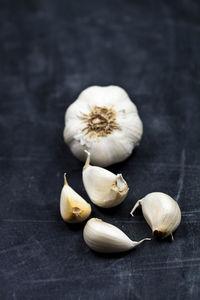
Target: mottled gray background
point(49, 52)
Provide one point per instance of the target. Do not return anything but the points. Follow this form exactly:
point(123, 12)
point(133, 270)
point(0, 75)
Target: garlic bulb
point(73, 208)
point(161, 212)
point(106, 238)
point(104, 188)
point(104, 121)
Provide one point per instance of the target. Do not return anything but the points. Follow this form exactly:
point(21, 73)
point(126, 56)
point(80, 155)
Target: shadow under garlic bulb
point(104, 121)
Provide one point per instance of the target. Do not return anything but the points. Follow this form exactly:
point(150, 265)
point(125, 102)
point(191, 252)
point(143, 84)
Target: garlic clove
point(161, 212)
point(104, 188)
point(73, 208)
point(103, 237)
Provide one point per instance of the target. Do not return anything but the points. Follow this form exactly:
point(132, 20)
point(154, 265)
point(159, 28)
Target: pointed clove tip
point(87, 152)
point(87, 163)
point(65, 179)
point(135, 244)
point(138, 203)
point(145, 239)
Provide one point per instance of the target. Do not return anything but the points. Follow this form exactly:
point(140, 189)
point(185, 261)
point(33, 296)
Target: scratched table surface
point(50, 51)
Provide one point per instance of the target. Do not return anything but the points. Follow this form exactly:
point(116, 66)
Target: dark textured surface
point(49, 52)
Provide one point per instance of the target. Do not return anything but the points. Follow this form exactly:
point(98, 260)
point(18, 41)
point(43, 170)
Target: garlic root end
point(161, 234)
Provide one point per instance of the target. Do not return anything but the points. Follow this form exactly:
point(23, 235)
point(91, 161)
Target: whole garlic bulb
point(73, 208)
point(161, 212)
point(106, 238)
point(104, 121)
point(104, 188)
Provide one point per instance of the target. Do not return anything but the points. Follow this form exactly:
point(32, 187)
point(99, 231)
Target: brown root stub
point(160, 234)
point(101, 121)
point(76, 211)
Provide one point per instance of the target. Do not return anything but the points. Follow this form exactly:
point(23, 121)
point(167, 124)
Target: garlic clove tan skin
point(161, 212)
point(73, 208)
point(103, 237)
point(104, 188)
point(104, 121)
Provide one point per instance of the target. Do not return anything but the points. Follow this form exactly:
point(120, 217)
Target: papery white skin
point(73, 208)
point(161, 212)
point(106, 238)
point(116, 146)
point(104, 188)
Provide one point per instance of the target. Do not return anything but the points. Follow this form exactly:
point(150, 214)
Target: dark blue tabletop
point(49, 52)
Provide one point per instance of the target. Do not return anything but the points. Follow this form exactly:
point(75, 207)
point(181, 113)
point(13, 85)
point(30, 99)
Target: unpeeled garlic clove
point(103, 237)
point(73, 208)
point(161, 212)
point(104, 188)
